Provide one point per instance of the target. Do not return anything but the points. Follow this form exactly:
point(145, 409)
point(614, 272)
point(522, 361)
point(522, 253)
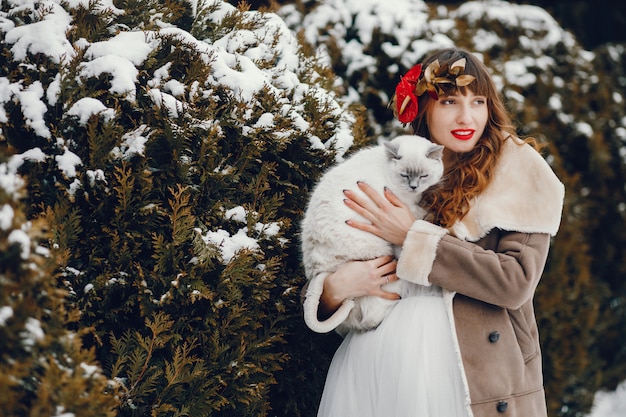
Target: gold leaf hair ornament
point(435, 76)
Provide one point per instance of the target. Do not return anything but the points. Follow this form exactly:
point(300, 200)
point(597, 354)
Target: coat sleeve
point(506, 276)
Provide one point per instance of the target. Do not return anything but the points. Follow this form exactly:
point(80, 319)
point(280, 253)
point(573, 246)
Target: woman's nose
point(464, 115)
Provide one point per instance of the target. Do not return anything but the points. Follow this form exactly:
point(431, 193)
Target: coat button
point(494, 336)
point(502, 406)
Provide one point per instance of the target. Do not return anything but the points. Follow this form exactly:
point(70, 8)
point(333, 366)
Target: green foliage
point(175, 230)
point(44, 368)
point(570, 346)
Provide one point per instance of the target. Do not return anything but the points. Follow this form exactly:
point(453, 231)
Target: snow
point(60, 412)
point(485, 40)
point(133, 144)
point(131, 46)
point(268, 230)
point(87, 107)
point(584, 128)
point(34, 109)
point(47, 36)
point(7, 90)
point(89, 370)
point(167, 101)
point(6, 217)
point(21, 238)
point(68, 162)
point(265, 121)
point(555, 102)
point(10, 182)
point(32, 332)
point(228, 245)
point(123, 71)
point(516, 72)
point(95, 175)
point(6, 313)
point(237, 214)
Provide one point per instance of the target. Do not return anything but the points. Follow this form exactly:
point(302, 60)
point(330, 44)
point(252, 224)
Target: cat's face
point(415, 164)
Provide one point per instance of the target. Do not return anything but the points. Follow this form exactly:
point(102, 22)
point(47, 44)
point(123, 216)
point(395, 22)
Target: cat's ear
point(435, 152)
point(392, 149)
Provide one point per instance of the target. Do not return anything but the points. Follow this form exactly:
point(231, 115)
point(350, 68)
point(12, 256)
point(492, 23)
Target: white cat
point(407, 165)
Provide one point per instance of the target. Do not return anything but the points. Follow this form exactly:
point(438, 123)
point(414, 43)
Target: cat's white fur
point(327, 241)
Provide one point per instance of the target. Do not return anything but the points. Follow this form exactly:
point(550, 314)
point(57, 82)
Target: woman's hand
point(389, 217)
point(355, 279)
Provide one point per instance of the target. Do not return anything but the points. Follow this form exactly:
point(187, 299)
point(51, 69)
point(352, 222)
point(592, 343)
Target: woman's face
point(457, 121)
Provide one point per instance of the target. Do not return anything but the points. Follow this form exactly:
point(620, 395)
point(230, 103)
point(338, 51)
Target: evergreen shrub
point(175, 153)
point(45, 370)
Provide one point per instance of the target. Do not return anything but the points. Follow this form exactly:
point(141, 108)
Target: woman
point(465, 342)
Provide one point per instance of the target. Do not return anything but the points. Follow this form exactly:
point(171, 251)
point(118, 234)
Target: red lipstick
point(463, 134)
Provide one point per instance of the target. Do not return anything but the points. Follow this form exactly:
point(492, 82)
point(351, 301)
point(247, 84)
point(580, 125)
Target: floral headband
point(435, 76)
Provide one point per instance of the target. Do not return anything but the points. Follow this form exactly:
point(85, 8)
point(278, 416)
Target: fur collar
point(524, 196)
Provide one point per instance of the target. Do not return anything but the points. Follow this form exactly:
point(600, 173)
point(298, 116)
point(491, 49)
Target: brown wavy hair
point(471, 172)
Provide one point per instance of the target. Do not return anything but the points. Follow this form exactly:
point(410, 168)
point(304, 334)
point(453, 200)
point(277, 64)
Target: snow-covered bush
point(170, 147)
point(44, 369)
point(373, 43)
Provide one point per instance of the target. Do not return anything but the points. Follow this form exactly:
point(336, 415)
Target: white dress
point(407, 367)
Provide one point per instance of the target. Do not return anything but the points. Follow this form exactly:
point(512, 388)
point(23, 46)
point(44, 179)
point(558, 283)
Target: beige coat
point(489, 266)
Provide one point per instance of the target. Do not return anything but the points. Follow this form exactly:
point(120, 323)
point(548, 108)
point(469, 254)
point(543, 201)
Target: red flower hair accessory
point(406, 101)
point(412, 86)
